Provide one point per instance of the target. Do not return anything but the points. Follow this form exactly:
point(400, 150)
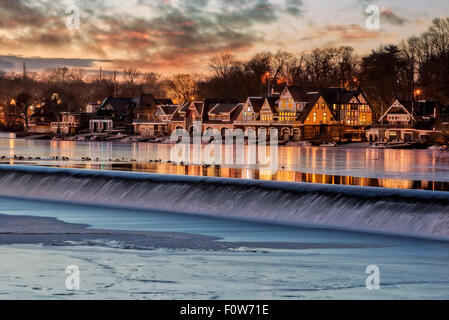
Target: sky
point(180, 36)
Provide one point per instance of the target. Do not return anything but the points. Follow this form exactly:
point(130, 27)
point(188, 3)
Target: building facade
point(406, 121)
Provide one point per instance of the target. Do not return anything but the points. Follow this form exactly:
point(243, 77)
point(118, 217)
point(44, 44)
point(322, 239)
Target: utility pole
point(24, 70)
point(382, 113)
point(115, 84)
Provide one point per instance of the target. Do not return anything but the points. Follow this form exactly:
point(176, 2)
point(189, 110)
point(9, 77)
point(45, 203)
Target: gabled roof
point(256, 103)
point(338, 95)
point(118, 105)
point(169, 110)
point(198, 107)
point(209, 104)
point(331, 95)
point(313, 99)
point(272, 103)
point(222, 108)
point(184, 107)
point(299, 93)
point(146, 101)
point(399, 107)
point(236, 112)
point(233, 110)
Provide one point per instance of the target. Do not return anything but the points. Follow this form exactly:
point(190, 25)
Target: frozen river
point(408, 169)
point(409, 268)
point(330, 265)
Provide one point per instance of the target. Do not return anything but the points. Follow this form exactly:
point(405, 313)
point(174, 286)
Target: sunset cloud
point(171, 35)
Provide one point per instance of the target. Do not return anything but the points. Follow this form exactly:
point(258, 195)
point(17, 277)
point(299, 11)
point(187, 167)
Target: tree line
point(394, 71)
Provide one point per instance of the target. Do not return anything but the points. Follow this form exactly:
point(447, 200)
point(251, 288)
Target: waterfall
point(408, 212)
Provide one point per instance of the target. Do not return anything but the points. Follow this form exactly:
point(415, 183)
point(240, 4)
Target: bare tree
point(152, 83)
point(222, 65)
point(77, 74)
point(279, 63)
point(23, 104)
point(131, 75)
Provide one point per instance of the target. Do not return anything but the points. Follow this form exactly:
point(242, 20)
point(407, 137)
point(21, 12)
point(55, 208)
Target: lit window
point(314, 117)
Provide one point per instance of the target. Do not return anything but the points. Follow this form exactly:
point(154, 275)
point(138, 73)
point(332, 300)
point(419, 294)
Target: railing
point(64, 124)
point(140, 121)
point(265, 123)
point(392, 126)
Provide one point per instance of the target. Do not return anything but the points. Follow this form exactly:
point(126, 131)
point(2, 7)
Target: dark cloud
point(294, 7)
point(38, 63)
point(391, 17)
point(177, 32)
point(387, 14)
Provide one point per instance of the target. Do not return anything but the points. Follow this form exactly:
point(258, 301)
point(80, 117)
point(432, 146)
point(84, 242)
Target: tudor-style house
point(348, 109)
point(406, 121)
point(318, 119)
point(309, 113)
point(291, 102)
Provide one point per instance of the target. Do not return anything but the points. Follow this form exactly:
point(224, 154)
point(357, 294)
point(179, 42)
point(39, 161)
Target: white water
point(408, 212)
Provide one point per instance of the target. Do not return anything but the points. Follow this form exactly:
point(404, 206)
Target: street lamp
point(268, 78)
point(417, 93)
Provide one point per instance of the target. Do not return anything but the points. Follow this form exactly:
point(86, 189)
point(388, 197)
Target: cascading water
point(411, 212)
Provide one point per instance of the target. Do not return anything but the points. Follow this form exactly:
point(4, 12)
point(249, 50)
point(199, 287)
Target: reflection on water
point(406, 169)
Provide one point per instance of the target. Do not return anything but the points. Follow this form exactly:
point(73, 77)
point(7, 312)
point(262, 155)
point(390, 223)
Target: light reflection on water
point(405, 169)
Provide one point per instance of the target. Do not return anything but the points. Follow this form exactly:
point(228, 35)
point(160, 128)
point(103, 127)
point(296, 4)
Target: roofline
point(392, 106)
point(236, 106)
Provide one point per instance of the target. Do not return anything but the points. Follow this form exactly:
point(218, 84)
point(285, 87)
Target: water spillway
point(408, 212)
